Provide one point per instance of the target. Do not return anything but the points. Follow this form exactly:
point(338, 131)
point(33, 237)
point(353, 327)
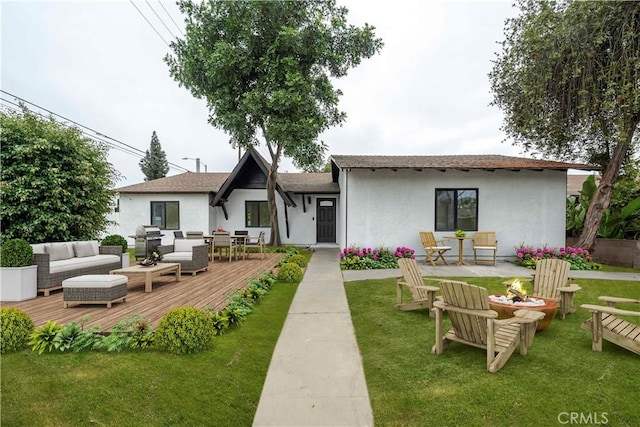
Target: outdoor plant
point(290, 272)
point(287, 249)
point(131, 332)
point(402, 252)
point(579, 258)
point(356, 258)
point(184, 330)
point(301, 260)
point(16, 253)
point(15, 328)
point(42, 338)
point(115, 240)
point(72, 336)
point(219, 320)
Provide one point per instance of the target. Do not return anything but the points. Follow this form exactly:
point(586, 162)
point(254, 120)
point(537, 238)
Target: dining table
point(237, 239)
point(460, 240)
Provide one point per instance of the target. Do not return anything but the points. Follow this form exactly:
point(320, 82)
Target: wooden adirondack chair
point(605, 324)
point(433, 247)
point(423, 296)
point(485, 241)
point(551, 280)
point(474, 324)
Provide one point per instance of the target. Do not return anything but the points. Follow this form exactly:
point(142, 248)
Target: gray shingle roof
point(308, 183)
point(480, 161)
point(189, 182)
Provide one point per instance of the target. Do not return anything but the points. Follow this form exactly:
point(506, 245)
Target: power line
point(170, 17)
point(18, 108)
point(126, 148)
point(149, 22)
point(160, 19)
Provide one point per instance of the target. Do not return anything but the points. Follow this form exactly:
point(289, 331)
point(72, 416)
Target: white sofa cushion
point(95, 281)
point(59, 251)
point(76, 263)
point(84, 249)
point(186, 245)
point(177, 256)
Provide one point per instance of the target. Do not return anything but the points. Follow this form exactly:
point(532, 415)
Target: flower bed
point(356, 258)
point(579, 258)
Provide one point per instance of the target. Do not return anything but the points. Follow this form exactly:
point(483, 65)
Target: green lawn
point(561, 375)
point(220, 387)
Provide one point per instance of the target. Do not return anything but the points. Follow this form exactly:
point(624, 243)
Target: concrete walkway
point(316, 376)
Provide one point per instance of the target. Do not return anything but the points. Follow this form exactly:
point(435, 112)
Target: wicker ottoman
point(95, 289)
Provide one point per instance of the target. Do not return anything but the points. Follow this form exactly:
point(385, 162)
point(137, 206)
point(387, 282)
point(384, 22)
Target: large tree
point(154, 164)
point(568, 81)
point(264, 68)
point(56, 184)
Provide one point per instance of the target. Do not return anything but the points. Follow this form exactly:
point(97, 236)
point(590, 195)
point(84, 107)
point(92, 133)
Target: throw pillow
point(59, 251)
point(84, 249)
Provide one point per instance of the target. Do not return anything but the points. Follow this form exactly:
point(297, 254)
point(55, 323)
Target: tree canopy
point(154, 164)
point(56, 184)
point(264, 68)
point(567, 80)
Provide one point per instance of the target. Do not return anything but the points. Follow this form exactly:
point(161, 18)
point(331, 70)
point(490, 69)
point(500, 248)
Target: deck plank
point(209, 288)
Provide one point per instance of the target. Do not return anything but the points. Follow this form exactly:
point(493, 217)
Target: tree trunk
point(272, 178)
point(602, 197)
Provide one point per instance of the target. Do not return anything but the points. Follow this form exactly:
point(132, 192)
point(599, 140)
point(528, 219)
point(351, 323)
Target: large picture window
point(457, 209)
point(165, 215)
point(256, 214)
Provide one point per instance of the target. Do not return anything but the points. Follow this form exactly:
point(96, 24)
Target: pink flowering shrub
point(356, 258)
point(579, 258)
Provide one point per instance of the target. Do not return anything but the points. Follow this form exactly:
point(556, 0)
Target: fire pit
point(516, 299)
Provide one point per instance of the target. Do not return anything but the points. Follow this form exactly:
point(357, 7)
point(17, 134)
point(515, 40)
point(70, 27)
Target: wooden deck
point(208, 288)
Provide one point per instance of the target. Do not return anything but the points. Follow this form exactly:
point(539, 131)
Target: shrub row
point(182, 330)
point(291, 265)
point(579, 258)
point(356, 258)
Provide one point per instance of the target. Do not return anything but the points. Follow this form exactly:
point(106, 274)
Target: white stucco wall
point(195, 213)
point(302, 225)
point(387, 208)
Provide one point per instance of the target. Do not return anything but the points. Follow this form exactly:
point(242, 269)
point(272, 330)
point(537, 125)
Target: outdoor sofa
point(192, 254)
point(58, 261)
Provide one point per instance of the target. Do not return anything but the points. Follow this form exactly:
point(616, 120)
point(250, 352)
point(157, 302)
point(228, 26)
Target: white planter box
point(18, 283)
point(125, 260)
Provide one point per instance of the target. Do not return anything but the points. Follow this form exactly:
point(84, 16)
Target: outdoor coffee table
point(150, 272)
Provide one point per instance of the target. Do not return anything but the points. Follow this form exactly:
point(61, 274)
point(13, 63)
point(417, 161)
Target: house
point(366, 200)
point(233, 201)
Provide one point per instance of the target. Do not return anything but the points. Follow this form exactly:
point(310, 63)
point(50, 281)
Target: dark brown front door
point(326, 221)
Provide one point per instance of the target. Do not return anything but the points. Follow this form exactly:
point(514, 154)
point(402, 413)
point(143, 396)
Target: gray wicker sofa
point(62, 260)
point(192, 254)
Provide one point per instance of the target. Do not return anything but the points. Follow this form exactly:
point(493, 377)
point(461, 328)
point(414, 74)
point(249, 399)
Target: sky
point(100, 64)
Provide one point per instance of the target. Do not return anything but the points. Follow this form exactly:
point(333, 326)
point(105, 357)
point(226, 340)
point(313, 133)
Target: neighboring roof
point(460, 162)
point(574, 183)
point(189, 182)
point(308, 183)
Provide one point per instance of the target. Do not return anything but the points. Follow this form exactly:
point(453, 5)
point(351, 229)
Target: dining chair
point(222, 242)
point(259, 243)
point(242, 236)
